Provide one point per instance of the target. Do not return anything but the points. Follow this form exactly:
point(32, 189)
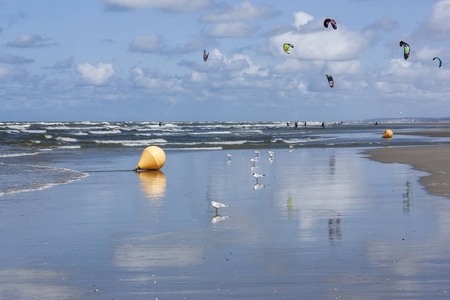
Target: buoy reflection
point(153, 183)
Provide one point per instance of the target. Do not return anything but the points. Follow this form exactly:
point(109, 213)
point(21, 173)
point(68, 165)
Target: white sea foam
point(34, 131)
point(133, 143)
point(18, 154)
point(69, 147)
point(106, 131)
point(210, 133)
point(81, 133)
point(66, 139)
point(194, 149)
point(48, 136)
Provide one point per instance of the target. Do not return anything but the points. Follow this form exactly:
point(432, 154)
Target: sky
point(142, 60)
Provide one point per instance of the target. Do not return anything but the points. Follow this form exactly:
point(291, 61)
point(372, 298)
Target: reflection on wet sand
point(36, 284)
point(334, 229)
point(153, 183)
point(408, 198)
point(257, 186)
point(161, 250)
point(218, 218)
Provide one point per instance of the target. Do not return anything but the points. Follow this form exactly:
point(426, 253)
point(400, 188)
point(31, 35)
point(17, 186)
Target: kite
point(333, 23)
point(330, 81)
point(405, 49)
point(286, 47)
point(205, 55)
point(440, 61)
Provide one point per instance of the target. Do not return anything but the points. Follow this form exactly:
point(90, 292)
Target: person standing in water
point(323, 124)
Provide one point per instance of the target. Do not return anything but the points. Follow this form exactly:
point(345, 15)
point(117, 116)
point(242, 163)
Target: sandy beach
point(431, 159)
point(323, 223)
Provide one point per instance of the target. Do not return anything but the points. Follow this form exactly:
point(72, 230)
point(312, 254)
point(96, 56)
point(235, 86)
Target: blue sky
point(141, 60)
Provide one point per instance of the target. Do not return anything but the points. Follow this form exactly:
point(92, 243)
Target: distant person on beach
point(323, 124)
point(287, 124)
point(376, 123)
point(305, 123)
point(296, 124)
point(160, 123)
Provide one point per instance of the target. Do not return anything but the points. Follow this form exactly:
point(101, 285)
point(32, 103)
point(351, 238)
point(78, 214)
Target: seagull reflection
point(218, 218)
point(257, 186)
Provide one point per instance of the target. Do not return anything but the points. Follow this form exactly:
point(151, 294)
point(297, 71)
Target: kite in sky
point(330, 80)
point(405, 49)
point(205, 55)
point(333, 23)
point(286, 47)
point(440, 61)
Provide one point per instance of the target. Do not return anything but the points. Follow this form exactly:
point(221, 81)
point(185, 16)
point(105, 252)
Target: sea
point(39, 155)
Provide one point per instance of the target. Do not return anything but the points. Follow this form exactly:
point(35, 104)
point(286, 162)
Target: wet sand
point(323, 223)
point(432, 159)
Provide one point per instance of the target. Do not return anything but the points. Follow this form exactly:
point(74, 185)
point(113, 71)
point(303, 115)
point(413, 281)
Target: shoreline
point(431, 159)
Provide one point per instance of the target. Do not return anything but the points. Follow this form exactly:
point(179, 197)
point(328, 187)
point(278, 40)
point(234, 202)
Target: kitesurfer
point(323, 124)
point(296, 124)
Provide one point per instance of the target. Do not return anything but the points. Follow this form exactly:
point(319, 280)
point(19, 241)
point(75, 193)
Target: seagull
point(217, 205)
point(271, 153)
point(229, 156)
point(253, 161)
point(258, 176)
point(257, 152)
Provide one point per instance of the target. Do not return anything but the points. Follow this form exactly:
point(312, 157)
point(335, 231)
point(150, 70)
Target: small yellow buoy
point(152, 158)
point(387, 134)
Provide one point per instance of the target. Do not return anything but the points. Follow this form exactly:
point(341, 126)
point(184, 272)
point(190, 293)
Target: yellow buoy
point(387, 134)
point(152, 158)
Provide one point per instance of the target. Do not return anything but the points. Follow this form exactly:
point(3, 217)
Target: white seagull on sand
point(229, 156)
point(258, 176)
point(217, 205)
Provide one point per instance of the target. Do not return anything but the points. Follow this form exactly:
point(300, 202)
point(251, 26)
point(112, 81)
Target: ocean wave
point(80, 133)
point(210, 133)
point(66, 139)
point(116, 131)
point(133, 143)
point(69, 147)
point(18, 154)
point(18, 178)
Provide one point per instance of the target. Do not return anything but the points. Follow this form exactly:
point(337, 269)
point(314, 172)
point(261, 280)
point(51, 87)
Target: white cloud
point(26, 41)
point(436, 25)
point(232, 21)
point(386, 24)
point(319, 45)
point(302, 18)
point(231, 30)
point(146, 43)
point(96, 75)
point(166, 5)
point(155, 81)
point(242, 12)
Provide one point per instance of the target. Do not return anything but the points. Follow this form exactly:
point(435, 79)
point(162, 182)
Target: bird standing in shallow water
point(217, 205)
point(258, 176)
